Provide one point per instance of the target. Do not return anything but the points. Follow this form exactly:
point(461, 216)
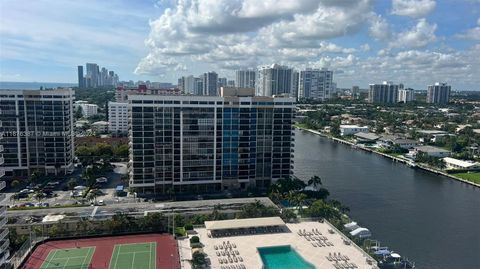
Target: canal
point(431, 219)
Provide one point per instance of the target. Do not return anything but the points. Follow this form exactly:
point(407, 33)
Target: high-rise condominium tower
point(274, 80)
point(37, 129)
point(209, 143)
point(387, 92)
point(316, 83)
point(439, 93)
point(81, 80)
point(245, 79)
point(210, 84)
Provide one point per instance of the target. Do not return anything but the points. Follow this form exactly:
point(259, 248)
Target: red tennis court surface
point(167, 254)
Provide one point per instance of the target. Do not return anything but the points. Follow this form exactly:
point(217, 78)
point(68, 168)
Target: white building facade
point(406, 95)
point(118, 117)
point(245, 78)
point(352, 129)
point(315, 83)
point(274, 80)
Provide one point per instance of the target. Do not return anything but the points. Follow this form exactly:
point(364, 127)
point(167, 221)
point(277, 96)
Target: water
point(431, 219)
point(33, 85)
point(282, 257)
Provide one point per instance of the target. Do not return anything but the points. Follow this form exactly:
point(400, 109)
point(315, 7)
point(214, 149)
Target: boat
point(412, 164)
point(395, 261)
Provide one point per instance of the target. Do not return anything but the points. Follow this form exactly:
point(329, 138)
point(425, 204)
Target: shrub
point(194, 240)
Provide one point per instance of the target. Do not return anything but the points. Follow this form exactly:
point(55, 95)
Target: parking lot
point(57, 192)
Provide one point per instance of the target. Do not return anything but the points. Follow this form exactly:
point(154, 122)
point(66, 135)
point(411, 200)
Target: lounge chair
point(314, 244)
point(240, 259)
point(236, 252)
point(220, 261)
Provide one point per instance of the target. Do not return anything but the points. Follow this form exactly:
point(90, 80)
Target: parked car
point(102, 180)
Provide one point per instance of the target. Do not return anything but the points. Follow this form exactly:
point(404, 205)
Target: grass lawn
point(473, 176)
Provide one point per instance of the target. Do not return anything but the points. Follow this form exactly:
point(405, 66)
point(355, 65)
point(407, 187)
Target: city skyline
point(414, 42)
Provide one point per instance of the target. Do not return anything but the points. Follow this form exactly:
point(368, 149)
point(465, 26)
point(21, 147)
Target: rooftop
point(430, 149)
point(368, 136)
point(243, 223)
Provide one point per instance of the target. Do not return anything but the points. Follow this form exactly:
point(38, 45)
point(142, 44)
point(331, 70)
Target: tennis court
point(130, 256)
point(71, 258)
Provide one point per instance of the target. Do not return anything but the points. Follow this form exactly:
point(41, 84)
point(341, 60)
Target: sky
point(414, 42)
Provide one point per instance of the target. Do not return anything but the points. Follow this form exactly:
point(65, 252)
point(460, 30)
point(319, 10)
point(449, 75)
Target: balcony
point(3, 234)
point(4, 245)
point(2, 173)
point(1, 160)
point(2, 198)
point(2, 183)
point(1, 148)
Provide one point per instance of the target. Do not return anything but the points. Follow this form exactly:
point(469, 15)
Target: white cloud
point(472, 33)
point(419, 36)
point(365, 47)
point(413, 8)
point(379, 28)
point(416, 68)
point(232, 33)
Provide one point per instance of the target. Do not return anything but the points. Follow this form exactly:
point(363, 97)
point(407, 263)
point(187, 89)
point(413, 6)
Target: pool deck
point(247, 246)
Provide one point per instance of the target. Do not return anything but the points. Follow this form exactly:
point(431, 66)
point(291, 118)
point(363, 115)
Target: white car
point(102, 180)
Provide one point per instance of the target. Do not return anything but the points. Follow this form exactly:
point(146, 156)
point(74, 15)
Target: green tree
point(39, 195)
point(14, 184)
point(72, 183)
point(320, 209)
point(85, 155)
point(78, 113)
point(90, 174)
point(315, 181)
point(198, 260)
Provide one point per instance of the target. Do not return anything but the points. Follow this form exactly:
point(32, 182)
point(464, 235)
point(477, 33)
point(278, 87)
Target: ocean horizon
point(10, 85)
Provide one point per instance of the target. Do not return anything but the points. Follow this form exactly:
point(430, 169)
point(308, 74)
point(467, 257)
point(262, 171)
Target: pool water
point(282, 257)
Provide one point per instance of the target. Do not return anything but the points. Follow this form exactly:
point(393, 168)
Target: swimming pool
point(282, 257)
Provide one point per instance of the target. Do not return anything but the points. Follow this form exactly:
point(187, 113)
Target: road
point(141, 207)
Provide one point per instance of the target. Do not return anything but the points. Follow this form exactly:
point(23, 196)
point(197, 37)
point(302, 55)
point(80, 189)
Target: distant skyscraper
point(198, 90)
point(245, 79)
point(316, 83)
point(231, 83)
point(187, 85)
point(210, 84)
point(406, 95)
point(355, 92)
point(439, 93)
point(92, 75)
point(274, 80)
point(222, 82)
point(81, 80)
point(387, 92)
point(295, 84)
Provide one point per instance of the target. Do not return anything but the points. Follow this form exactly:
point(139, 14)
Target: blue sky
point(416, 42)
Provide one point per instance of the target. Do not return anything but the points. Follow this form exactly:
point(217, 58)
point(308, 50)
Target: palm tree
point(39, 195)
point(315, 181)
point(92, 196)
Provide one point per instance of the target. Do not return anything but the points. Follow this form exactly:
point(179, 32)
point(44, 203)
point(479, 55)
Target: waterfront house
point(346, 129)
point(432, 151)
point(456, 164)
point(366, 137)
